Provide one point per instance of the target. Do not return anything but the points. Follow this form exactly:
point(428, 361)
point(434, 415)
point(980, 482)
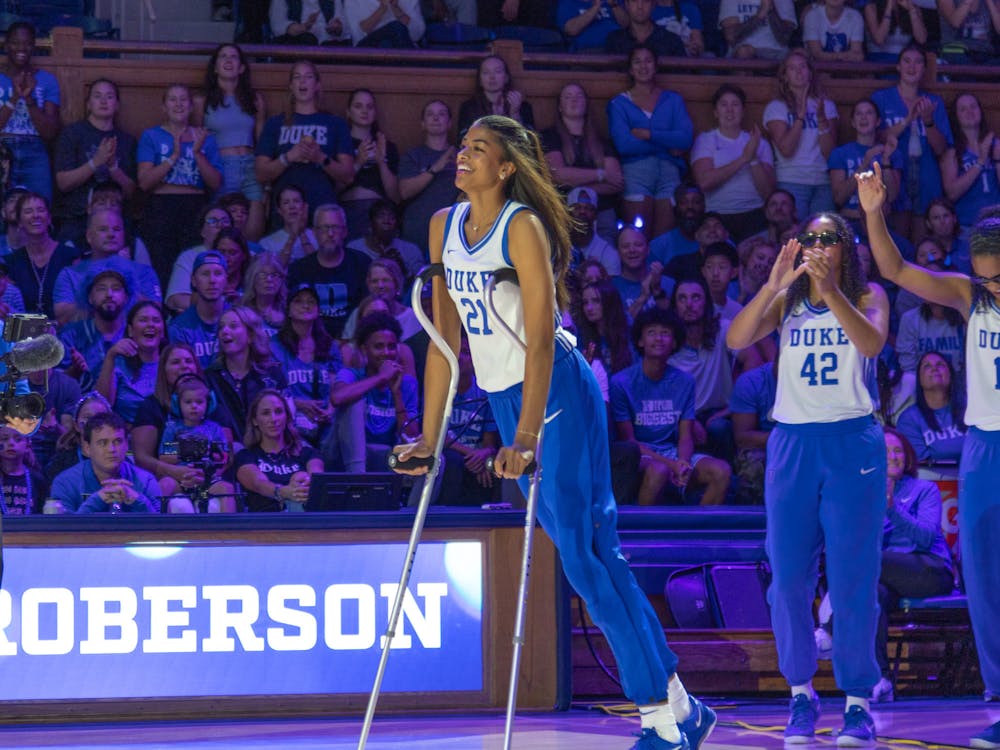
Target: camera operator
point(24, 424)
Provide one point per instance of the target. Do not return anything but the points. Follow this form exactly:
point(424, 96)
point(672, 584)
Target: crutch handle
point(429, 272)
point(505, 274)
point(395, 464)
point(528, 470)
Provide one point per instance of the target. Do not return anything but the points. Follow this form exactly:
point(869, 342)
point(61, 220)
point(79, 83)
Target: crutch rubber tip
point(395, 464)
point(528, 470)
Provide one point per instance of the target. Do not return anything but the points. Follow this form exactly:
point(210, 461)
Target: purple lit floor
point(742, 724)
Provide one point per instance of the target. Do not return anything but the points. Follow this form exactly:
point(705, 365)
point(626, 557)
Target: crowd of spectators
point(259, 300)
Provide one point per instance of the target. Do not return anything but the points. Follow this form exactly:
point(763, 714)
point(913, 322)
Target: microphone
point(32, 355)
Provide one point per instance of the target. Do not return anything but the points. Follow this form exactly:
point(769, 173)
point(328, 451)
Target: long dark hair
point(951, 316)
point(956, 397)
point(484, 104)
point(710, 323)
point(613, 327)
point(898, 19)
point(852, 276)
point(289, 339)
point(215, 96)
point(961, 141)
point(531, 184)
point(350, 101)
point(592, 145)
point(134, 363)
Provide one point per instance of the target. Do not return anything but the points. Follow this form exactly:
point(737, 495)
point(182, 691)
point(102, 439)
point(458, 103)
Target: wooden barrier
point(403, 81)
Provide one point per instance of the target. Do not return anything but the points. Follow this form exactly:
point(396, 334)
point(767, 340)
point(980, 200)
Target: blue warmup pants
point(979, 537)
point(577, 510)
point(825, 483)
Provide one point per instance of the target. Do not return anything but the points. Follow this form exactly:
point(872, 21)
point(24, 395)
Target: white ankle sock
point(855, 701)
point(805, 689)
point(660, 717)
point(678, 697)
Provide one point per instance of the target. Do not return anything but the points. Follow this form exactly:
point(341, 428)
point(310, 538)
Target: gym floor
point(929, 723)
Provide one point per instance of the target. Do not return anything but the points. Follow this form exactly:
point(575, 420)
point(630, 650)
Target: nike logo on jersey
point(867, 471)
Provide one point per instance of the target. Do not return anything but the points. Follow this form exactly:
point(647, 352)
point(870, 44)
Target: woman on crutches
point(515, 218)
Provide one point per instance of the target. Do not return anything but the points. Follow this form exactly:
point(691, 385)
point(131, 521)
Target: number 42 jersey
point(499, 364)
point(821, 374)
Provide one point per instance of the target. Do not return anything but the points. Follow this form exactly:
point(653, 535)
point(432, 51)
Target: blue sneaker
point(859, 729)
point(650, 740)
point(801, 727)
point(699, 724)
point(989, 738)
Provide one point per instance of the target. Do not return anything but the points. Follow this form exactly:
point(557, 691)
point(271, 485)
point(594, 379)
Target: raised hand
point(871, 189)
point(784, 272)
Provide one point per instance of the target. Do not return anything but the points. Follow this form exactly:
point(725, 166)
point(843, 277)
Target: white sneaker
point(883, 692)
point(824, 643)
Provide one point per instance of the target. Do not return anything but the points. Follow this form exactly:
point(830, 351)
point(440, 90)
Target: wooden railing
point(404, 80)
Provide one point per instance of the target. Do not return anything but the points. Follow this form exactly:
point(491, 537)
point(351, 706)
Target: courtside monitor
point(333, 491)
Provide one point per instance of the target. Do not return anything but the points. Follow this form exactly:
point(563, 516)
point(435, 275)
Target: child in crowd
point(22, 487)
point(190, 404)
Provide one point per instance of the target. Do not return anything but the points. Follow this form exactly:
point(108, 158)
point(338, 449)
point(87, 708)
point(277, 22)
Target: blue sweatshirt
point(913, 523)
point(670, 128)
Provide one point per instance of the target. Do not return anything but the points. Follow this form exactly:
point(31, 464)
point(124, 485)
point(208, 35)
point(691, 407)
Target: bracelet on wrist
point(283, 158)
point(528, 433)
point(90, 163)
point(277, 493)
point(601, 174)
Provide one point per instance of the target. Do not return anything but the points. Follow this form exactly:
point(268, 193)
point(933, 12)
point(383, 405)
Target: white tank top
point(982, 366)
point(499, 364)
point(821, 374)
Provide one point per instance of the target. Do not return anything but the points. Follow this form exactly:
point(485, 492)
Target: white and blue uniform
point(978, 499)
point(576, 505)
point(825, 485)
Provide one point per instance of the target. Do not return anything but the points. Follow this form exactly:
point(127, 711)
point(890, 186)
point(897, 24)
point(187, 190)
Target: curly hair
point(531, 184)
point(852, 275)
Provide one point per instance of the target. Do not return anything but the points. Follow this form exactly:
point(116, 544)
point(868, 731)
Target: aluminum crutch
point(530, 511)
point(433, 463)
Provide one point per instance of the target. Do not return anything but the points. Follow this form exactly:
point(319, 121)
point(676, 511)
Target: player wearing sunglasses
point(826, 464)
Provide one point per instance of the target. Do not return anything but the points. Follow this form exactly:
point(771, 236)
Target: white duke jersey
point(982, 365)
point(499, 364)
point(821, 374)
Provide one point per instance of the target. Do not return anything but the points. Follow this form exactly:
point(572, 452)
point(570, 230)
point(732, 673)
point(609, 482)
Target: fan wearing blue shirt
point(652, 404)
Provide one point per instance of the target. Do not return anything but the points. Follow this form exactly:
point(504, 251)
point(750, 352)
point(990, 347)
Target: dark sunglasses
point(826, 238)
point(984, 280)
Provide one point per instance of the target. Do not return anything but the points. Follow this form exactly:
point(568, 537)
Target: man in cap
point(87, 341)
point(582, 202)
point(199, 323)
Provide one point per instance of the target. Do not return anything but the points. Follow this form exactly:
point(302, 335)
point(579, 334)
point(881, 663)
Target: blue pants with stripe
point(577, 510)
point(826, 484)
point(979, 537)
